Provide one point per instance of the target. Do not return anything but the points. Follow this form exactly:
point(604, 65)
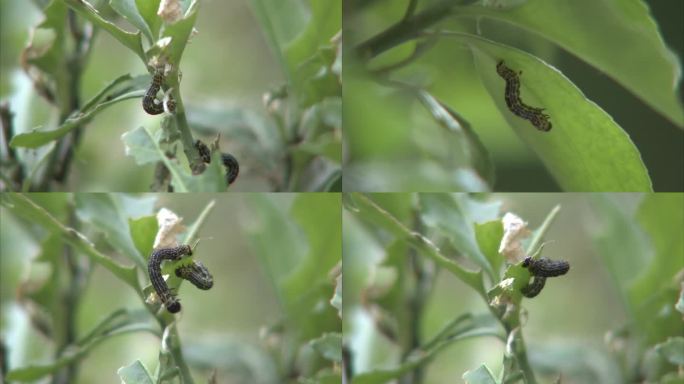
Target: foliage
point(294, 145)
point(77, 234)
point(397, 245)
point(421, 90)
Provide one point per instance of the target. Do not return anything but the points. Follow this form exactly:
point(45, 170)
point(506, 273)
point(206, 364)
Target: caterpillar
point(204, 152)
point(169, 300)
point(546, 268)
point(531, 290)
point(150, 103)
point(229, 161)
point(512, 96)
point(232, 165)
point(197, 274)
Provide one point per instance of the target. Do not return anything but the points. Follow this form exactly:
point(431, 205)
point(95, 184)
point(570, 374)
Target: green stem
point(407, 29)
point(177, 353)
point(196, 164)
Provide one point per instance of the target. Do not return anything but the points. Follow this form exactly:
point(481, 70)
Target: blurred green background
point(250, 243)
point(573, 314)
point(392, 143)
point(227, 63)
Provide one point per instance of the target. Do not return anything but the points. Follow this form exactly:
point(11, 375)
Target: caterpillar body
point(229, 161)
point(546, 268)
point(232, 166)
point(536, 116)
point(197, 274)
point(531, 290)
point(150, 103)
point(167, 298)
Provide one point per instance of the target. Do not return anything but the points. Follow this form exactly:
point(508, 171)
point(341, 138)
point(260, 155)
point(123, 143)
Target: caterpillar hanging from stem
point(536, 116)
point(150, 103)
point(167, 298)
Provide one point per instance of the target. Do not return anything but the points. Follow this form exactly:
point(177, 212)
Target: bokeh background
point(384, 127)
point(228, 63)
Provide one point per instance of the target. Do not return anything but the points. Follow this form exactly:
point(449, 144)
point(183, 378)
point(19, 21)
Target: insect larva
point(154, 269)
point(546, 268)
point(150, 103)
point(228, 160)
point(204, 152)
point(533, 289)
point(512, 96)
point(197, 274)
point(232, 165)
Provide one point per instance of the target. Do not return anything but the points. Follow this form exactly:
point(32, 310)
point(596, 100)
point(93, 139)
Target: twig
point(404, 30)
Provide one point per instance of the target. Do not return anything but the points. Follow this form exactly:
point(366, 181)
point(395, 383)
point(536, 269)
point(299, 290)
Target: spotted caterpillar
point(197, 274)
point(546, 268)
point(533, 289)
point(169, 300)
point(229, 161)
point(512, 95)
point(150, 103)
point(542, 269)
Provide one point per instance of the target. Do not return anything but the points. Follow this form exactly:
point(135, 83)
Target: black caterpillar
point(546, 268)
point(531, 290)
point(232, 166)
point(512, 95)
point(197, 274)
point(150, 103)
point(541, 269)
point(154, 269)
point(229, 161)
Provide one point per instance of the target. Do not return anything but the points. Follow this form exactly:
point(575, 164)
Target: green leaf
point(143, 231)
point(325, 21)
point(148, 11)
point(131, 322)
point(319, 216)
point(672, 350)
point(129, 10)
point(449, 217)
point(25, 207)
point(284, 249)
point(38, 138)
point(371, 211)
point(654, 291)
point(488, 236)
point(142, 145)
point(130, 40)
point(281, 22)
point(468, 143)
point(586, 150)
point(105, 213)
point(596, 32)
point(179, 32)
point(329, 346)
point(135, 373)
point(482, 375)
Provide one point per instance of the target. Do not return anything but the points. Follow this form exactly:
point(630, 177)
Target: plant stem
point(194, 160)
point(177, 353)
point(406, 29)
